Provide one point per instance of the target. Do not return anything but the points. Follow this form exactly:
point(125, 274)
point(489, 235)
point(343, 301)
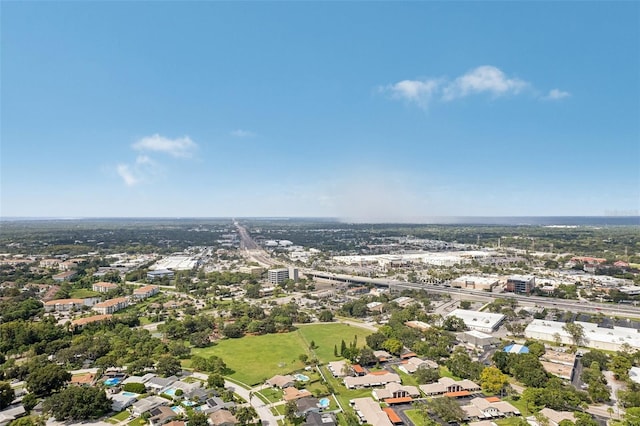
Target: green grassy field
point(81, 293)
point(326, 336)
point(257, 358)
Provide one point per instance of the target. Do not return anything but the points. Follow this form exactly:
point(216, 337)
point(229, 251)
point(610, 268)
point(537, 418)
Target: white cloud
point(180, 147)
point(419, 92)
point(142, 170)
point(239, 133)
point(484, 79)
point(555, 94)
point(127, 175)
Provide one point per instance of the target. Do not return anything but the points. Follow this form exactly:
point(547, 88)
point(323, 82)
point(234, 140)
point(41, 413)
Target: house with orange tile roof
point(146, 291)
point(61, 305)
point(112, 305)
point(103, 287)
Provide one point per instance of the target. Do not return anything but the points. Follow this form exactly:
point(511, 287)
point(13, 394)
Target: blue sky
point(362, 110)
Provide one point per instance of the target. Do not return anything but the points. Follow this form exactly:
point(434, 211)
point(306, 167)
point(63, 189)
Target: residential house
point(382, 356)
point(395, 393)
point(449, 387)
point(488, 408)
point(216, 404)
point(147, 404)
point(64, 276)
point(81, 322)
point(555, 417)
point(413, 364)
point(161, 415)
point(307, 405)
point(282, 382)
point(103, 287)
point(11, 413)
point(122, 400)
point(370, 412)
point(112, 305)
point(222, 418)
point(338, 368)
point(371, 380)
point(291, 393)
point(159, 384)
point(61, 305)
point(320, 419)
point(146, 291)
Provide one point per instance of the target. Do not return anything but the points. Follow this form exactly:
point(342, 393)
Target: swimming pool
point(170, 392)
point(324, 402)
point(129, 394)
point(112, 382)
point(188, 403)
point(178, 409)
point(301, 377)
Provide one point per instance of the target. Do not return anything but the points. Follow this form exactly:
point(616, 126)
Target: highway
point(256, 253)
point(252, 250)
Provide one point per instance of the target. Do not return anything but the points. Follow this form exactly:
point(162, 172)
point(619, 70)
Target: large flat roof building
point(521, 284)
point(485, 322)
point(610, 339)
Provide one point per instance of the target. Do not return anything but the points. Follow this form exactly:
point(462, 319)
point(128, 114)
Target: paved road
point(263, 410)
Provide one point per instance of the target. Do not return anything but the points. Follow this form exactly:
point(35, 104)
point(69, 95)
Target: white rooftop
point(478, 320)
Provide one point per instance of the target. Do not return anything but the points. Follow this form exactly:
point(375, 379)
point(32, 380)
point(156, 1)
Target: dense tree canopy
point(78, 403)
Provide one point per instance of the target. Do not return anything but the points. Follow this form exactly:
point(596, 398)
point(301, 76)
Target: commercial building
point(610, 339)
point(475, 283)
point(160, 273)
point(477, 338)
point(278, 276)
point(485, 322)
point(521, 284)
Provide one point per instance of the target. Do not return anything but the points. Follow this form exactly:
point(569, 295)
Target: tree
point(245, 415)
point(367, 357)
point(576, 331)
point(215, 380)
point(632, 417)
point(6, 394)
point(392, 345)
point(465, 304)
point(198, 418)
point(620, 366)
point(325, 316)
point(446, 408)
point(45, 380)
point(291, 411)
point(168, 366)
point(426, 375)
point(454, 323)
point(493, 380)
point(78, 403)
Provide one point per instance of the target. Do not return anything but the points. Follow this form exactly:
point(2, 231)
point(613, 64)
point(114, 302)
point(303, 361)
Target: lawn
point(328, 336)
point(255, 359)
point(81, 293)
point(416, 417)
point(121, 416)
